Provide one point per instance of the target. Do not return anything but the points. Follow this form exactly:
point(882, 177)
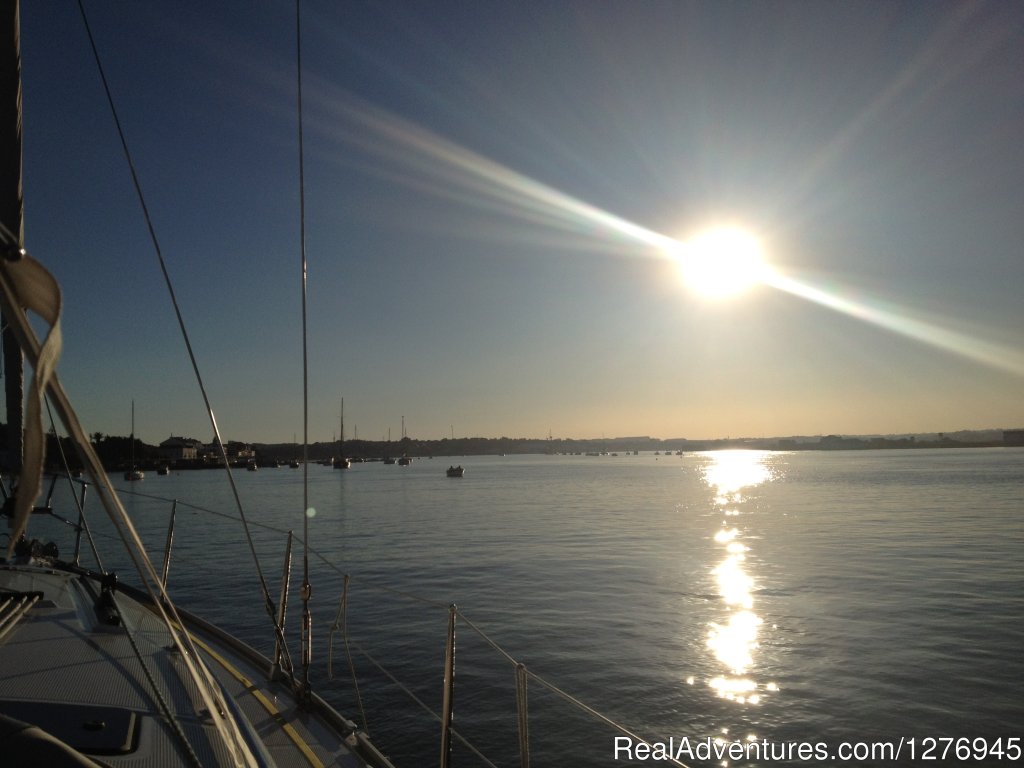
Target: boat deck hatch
point(95, 730)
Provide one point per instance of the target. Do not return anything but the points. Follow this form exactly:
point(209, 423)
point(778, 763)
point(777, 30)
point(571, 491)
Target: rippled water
point(793, 597)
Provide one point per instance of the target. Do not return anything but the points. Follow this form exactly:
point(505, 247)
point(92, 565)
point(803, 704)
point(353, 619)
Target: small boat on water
point(405, 461)
point(163, 469)
point(455, 471)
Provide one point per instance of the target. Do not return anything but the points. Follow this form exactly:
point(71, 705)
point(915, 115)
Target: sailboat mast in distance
point(133, 473)
point(340, 462)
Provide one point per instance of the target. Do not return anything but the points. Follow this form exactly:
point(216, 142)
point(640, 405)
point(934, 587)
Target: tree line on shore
point(115, 451)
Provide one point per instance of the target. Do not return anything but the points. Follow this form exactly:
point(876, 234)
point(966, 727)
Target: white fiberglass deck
point(78, 678)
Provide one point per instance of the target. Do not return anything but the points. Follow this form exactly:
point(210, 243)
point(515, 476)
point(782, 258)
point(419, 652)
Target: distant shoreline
point(627, 445)
point(114, 451)
point(269, 453)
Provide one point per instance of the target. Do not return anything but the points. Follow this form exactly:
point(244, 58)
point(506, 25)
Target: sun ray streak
point(485, 182)
point(427, 152)
point(985, 352)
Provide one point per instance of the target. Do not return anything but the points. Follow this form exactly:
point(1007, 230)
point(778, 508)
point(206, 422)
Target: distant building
point(179, 448)
point(1013, 436)
point(237, 450)
point(234, 450)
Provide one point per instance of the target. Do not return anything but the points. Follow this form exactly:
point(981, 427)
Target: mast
point(131, 439)
point(12, 209)
point(133, 473)
point(304, 689)
point(340, 462)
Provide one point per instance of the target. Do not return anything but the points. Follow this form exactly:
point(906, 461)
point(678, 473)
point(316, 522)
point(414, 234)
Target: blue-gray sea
point(824, 598)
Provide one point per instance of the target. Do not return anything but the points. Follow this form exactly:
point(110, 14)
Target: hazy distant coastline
point(475, 446)
point(115, 450)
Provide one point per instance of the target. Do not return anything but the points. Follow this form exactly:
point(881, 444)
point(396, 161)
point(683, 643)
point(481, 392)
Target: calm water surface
point(793, 597)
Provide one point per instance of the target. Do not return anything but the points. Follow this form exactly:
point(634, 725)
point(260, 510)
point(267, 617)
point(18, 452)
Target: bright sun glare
point(721, 262)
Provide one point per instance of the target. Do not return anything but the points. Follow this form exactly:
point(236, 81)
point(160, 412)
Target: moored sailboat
point(341, 461)
point(133, 472)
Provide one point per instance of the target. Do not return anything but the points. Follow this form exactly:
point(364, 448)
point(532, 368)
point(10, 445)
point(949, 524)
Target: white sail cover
point(28, 287)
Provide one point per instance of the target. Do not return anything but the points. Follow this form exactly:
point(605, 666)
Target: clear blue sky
point(486, 184)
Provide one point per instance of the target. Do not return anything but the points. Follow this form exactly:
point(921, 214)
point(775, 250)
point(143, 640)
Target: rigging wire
point(83, 524)
point(307, 618)
point(423, 705)
point(341, 624)
point(268, 602)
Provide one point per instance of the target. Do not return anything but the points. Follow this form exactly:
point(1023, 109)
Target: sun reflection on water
point(732, 471)
point(734, 584)
point(734, 641)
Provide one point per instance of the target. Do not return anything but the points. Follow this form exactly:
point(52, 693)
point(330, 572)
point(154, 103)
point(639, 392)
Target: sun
point(721, 262)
